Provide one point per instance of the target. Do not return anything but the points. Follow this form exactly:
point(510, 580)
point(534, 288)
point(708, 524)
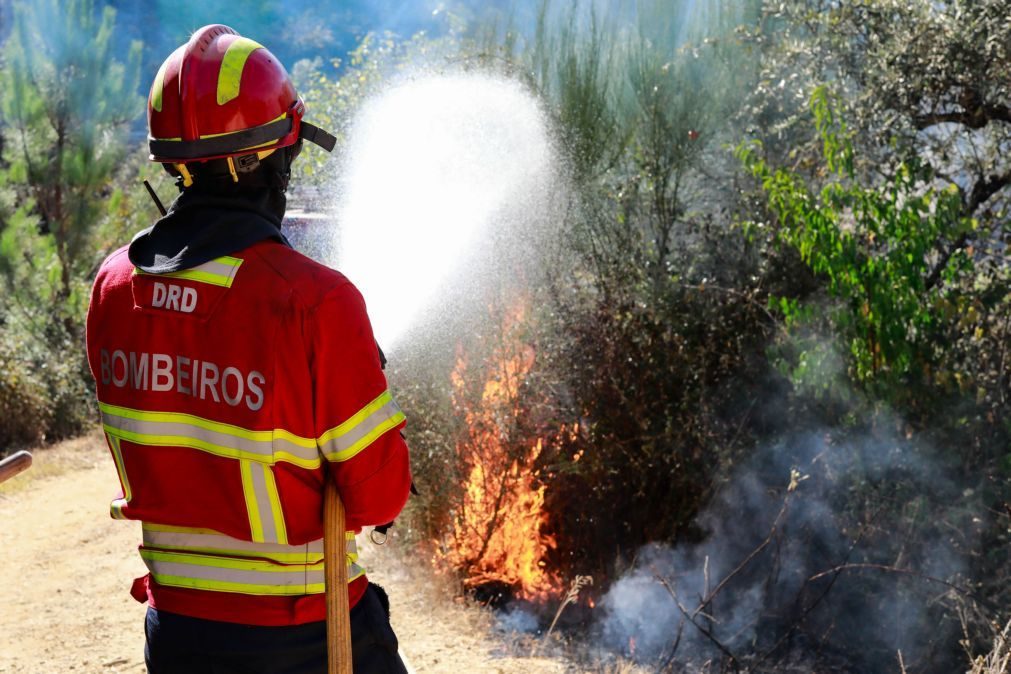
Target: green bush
point(66, 107)
point(25, 410)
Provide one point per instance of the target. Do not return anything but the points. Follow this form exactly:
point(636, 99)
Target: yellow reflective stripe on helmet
point(230, 75)
point(244, 576)
point(218, 272)
point(117, 457)
point(174, 429)
point(207, 541)
point(158, 87)
point(229, 133)
point(263, 153)
point(362, 429)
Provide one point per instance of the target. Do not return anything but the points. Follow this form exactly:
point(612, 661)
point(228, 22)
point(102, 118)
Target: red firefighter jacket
point(226, 391)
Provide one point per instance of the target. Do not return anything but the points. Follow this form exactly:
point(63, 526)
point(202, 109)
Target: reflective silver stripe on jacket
point(208, 560)
point(223, 268)
point(224, 574)
point(184, 430)
point(263, 505)
point(201, 541)
point(244, 576)
point(357, 433)
point(219, 272)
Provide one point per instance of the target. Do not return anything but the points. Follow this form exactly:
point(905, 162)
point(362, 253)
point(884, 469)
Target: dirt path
point(67, 566)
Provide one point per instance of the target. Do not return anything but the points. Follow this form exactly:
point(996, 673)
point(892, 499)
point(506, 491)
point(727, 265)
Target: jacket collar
point(202, 226)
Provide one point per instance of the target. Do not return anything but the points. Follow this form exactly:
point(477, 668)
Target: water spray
point(435, 166)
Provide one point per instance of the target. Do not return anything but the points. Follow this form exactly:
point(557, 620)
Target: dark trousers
point(182, 645)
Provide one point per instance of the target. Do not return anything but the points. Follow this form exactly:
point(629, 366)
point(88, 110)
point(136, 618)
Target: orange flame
point(497, 532)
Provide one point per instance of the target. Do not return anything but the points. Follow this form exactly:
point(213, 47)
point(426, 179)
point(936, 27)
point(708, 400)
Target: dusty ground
point(67, 567)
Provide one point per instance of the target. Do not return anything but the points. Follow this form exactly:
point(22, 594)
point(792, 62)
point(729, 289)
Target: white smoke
point(516, 618)
point(868, 612)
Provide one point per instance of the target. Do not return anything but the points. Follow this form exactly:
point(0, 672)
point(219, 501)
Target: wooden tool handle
point(14, 464)
point(338, 611)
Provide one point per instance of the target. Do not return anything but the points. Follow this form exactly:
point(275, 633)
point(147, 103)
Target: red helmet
point(224, 95)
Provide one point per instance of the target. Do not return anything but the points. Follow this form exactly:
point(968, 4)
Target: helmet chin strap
point(314, 134)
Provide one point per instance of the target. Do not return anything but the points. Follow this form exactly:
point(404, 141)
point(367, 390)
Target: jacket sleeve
point(357, 422)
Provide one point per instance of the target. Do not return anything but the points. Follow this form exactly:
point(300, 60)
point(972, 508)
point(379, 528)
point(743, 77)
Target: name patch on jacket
point(173, 297)
point(188, 376)
point(178, 295)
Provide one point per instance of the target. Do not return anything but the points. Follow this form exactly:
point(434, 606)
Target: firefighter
point(233, 374)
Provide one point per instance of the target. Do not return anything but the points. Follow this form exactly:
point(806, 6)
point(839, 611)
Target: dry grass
point(620, 667)
point(998, 660)
point(59, 459)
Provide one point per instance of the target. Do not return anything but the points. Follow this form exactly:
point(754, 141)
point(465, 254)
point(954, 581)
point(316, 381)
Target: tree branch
point(906, 572)
point(708, 599)
point(690, 617)
point(979, 195)
point(983, 190)
point(973, 116)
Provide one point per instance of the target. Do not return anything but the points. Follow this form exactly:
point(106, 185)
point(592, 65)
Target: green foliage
point(873, 246)
point(919, 82)
point(66, 105)
point(577, 72)
point(43, 385)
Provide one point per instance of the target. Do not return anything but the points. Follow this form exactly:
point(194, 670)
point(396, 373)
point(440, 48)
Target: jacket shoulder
point(309, 281)
point(116, 267)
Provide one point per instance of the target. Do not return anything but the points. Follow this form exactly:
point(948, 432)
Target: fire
point(497, 533)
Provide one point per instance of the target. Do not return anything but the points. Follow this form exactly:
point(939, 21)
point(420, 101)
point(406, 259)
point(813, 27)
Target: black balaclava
point(216, 215)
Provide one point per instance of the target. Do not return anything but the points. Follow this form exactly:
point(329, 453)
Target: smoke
point(752, 585)
point(516, 618)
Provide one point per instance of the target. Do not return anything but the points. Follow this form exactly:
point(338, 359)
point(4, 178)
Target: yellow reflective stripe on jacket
point(206, 541)
point(233, 574)
point(117, 457)
point(172, 429)
point(266, 519)
point(240, 575)
point(361, 430)
point(218, 272)
point(116, 509)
